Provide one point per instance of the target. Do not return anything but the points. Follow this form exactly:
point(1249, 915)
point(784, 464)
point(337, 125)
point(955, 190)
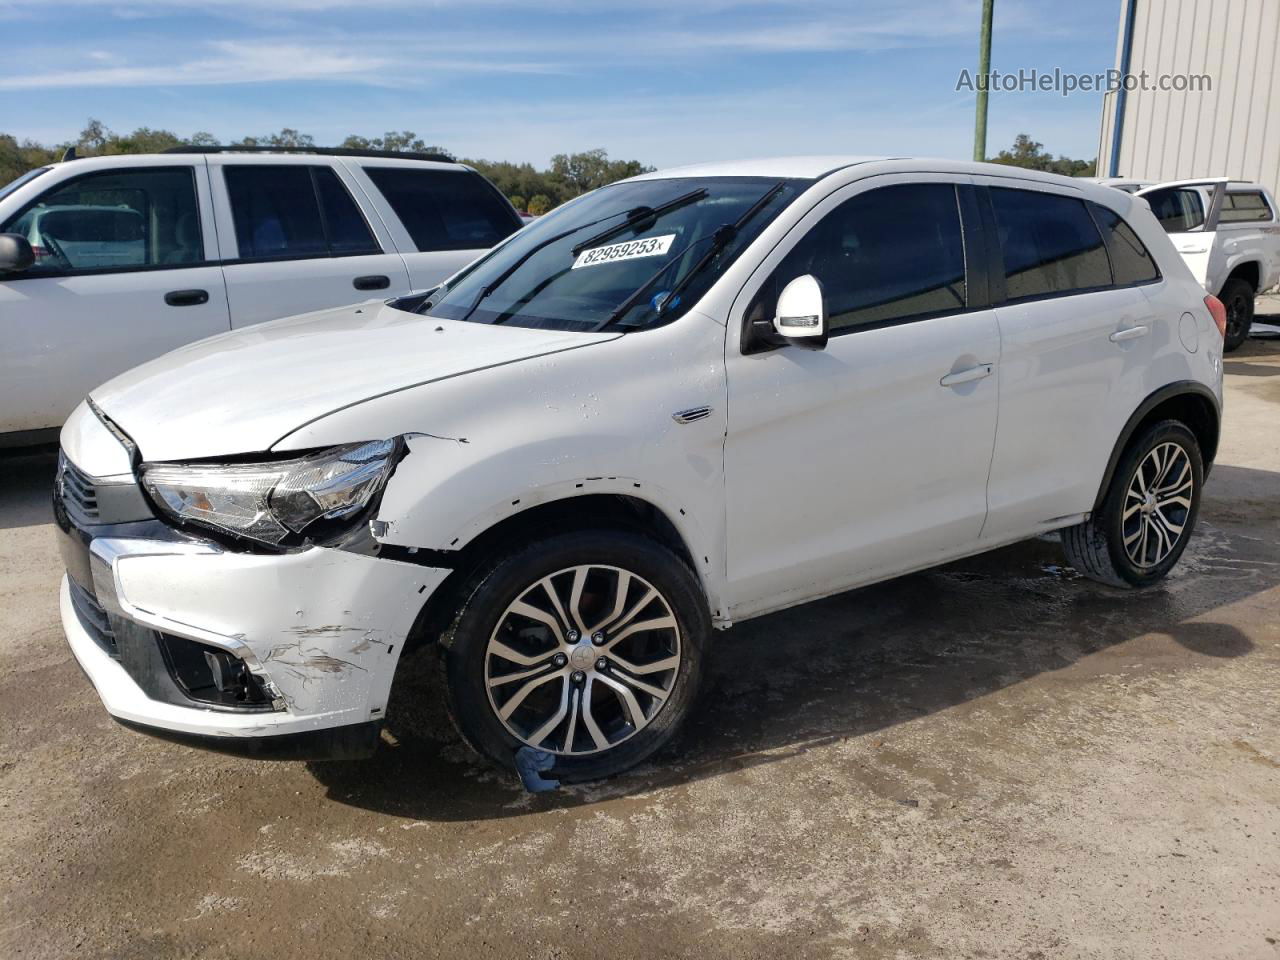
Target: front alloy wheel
point(586, 646)
point(582, 660)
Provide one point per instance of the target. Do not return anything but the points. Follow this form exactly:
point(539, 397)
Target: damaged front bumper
point(289, 655)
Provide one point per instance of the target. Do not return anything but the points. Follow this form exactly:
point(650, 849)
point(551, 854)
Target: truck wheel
point(1237, 297)
point(586, 646)
point(1148, 514)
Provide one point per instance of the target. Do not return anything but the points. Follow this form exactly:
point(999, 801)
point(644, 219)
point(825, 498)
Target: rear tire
point(1148, 514)
point(1237, 296)
point(598, 704)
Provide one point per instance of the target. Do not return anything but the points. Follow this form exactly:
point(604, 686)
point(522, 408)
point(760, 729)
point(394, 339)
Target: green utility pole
point(984, 71)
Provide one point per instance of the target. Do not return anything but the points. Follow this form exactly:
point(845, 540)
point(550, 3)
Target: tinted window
point(114, 220)
point(1130, 261)
point(445, 209)
point(1244, 207)
point(887, 254)
point(1049, 242)
point(1179, 209)
point(301, 211)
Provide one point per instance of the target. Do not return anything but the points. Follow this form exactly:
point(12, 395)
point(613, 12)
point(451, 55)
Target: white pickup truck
point(1228, 233)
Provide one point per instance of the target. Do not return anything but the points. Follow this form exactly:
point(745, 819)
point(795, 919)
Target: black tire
point(1096, 548)
point(1237, 297)
point(486, 600)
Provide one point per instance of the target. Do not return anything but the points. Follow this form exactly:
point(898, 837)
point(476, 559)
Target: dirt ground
point(994, 759)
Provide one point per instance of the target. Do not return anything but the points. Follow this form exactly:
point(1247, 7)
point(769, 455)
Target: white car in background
point(672, 404)
point(106, 262)
point(1126, 184)
point(1228, 233)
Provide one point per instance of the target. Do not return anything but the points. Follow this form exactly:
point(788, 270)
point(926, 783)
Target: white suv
point(111, 261)
point(680, 401)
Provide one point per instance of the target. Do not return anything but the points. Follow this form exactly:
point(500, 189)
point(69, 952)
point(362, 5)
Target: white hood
point(241, 392)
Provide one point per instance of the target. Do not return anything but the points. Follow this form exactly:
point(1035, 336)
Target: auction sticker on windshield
point(629, 250)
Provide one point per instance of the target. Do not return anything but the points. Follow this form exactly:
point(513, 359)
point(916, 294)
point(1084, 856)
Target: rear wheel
point(586, 646)
point(1237, 297)
point(1137, 535)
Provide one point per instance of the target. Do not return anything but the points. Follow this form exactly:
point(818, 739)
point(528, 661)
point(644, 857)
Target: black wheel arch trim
point(1168, 392)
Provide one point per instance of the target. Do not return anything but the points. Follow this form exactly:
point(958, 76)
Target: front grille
point(93, 618)
point(79, 495)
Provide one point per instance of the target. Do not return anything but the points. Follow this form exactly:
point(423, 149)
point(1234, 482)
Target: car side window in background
point(1050, 244)
point(1244, 207)
point(288, 212)
point(445, 209)
point(1179, 209)
point(114, 220)
point(1130, 261)
point(885, 255)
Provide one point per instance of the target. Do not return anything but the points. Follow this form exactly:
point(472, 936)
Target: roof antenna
point(69, 153)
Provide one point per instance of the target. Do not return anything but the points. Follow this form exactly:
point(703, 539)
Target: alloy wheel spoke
point(666, 663)
point(513, 677)
point(654, 691)
point(550, 589)
point(500, 649)
point(556, 718)
point(575, 599)
point(621, 587)
point(519, 696)
point(573, 720)
point(628, 698)
point(661, 623)
point(531, 612)
point(630, 615)
point(589, 720)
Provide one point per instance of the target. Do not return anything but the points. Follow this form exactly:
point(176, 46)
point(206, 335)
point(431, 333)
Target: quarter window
point(1050, 244)
point(1244, 208)
point(885, 255)
point(294, 211)
point(445, 209)
point(1130, 261)
point(116, 220)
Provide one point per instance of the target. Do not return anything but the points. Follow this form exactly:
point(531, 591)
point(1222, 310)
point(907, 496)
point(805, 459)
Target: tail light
point(1219, 313)
point(39, 252)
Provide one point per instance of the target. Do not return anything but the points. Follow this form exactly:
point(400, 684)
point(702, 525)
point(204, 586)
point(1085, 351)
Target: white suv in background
point(111, 261)
point(677, 402)
point(1229, 234)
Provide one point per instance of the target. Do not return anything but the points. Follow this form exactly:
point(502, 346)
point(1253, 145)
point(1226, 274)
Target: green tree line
point(1031, 154)
point(528, 187)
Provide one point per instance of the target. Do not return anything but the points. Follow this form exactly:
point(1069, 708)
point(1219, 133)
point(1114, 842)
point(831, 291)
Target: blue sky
point(662, 81)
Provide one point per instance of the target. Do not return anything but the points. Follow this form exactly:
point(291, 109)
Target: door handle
point(371, 282)
point(1130, 333)
point(967, 376)
point(186, 298)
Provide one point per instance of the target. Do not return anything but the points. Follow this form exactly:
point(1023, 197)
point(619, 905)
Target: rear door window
point(445, 209)
point(114, 220)
point(884, 256)
point(1131, 262)
point(1050, 244)
point(292, 212)
point(1179, 209)
point(1244, 208)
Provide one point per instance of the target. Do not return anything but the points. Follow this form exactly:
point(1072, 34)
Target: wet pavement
point(993, 759)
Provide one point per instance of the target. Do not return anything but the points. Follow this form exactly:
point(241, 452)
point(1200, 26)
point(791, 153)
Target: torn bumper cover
point(289, 655)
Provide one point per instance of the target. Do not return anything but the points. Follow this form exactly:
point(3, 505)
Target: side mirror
point(802, 313)
point(15, 253)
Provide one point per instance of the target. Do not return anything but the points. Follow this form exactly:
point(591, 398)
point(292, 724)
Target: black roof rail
point(319, 151)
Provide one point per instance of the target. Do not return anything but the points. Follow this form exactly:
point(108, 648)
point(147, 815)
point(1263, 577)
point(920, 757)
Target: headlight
point(270, 502)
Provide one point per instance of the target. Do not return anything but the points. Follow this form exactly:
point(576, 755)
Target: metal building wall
point(1233, 129)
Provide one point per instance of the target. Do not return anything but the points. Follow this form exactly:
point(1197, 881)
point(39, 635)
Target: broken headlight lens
point(272, 502)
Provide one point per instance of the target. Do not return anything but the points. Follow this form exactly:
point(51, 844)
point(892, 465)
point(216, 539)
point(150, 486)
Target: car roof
point(231, 156)
point(817, 167)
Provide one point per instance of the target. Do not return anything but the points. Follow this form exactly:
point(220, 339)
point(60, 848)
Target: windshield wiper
point(639, 215)
point(723, 236)
point(635, 214)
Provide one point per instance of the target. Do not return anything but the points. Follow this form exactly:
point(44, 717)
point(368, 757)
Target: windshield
point(15, 183)
point(628, 256)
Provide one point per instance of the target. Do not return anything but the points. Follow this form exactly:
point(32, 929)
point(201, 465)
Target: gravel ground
point(993, 759)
